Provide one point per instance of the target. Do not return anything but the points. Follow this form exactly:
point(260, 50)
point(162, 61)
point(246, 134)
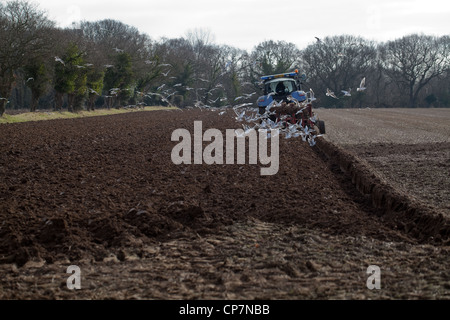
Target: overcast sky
point(246, 23)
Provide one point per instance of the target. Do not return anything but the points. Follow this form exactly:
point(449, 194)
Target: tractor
point(284, 100)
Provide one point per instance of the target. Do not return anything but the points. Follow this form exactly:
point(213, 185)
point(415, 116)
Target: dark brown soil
point(102, 193)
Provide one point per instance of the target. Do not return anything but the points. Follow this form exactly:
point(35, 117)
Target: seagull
point(362, 85)
point(311, 95)
point(165, 74)
point(118, 50)
point(114, 91)
point(300, 111)
point(178, 85)
point(249, 95)
point(331, 94)
point(312, 142)
point(347, 93)
point(30, 79)
point(58, 59)
point(239, 133)
point(108, 66)
point(165, 65)
point(171, 94)
point(93, 91)
point(242, 105)
point(240, 116)
point(318, 40)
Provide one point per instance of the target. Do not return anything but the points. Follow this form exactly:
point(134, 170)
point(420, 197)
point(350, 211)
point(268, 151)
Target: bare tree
point(23, 38)
point(176, 72)
point(338, 63)
point(413, 61)
point(272, 57)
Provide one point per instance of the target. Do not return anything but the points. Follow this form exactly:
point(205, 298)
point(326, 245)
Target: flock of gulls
point(347, 93)
point(256, 121)
point(246, 112)
point(272, 124)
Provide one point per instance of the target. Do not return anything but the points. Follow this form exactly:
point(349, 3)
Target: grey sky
point(245, 23)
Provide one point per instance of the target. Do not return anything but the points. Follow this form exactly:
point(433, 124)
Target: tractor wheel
point(321, 125)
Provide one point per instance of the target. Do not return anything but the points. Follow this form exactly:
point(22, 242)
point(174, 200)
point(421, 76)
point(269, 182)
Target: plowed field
point(102, 193)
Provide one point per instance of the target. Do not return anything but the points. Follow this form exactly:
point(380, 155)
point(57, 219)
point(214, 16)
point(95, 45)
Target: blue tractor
point(285, 89)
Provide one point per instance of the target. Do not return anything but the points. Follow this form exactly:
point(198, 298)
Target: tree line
point(110, 64)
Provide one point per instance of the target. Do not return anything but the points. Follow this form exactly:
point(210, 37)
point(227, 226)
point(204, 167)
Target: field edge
point(408, 214)
point(52, 115)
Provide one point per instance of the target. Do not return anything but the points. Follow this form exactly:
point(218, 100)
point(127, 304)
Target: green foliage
point(66, 73)
point(71, 77)
point(119, 78)
point(95, 80)
point(94, 83)
point(36, 79)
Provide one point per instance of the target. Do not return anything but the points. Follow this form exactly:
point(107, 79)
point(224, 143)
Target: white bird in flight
point(347, 93)
point(311, 95)
point(58, 59)
point(331, 94)
point(93, 91)
point(362, 85)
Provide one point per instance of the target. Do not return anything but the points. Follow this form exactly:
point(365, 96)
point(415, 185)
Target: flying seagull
point(331, 94)
point(318, 39)
point(58, 59)
point(93, 91)
point(311, 95)
point(362, 85)
point(347, 93)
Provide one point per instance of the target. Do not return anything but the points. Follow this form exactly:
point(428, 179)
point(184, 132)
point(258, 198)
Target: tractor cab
point(279, 87)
